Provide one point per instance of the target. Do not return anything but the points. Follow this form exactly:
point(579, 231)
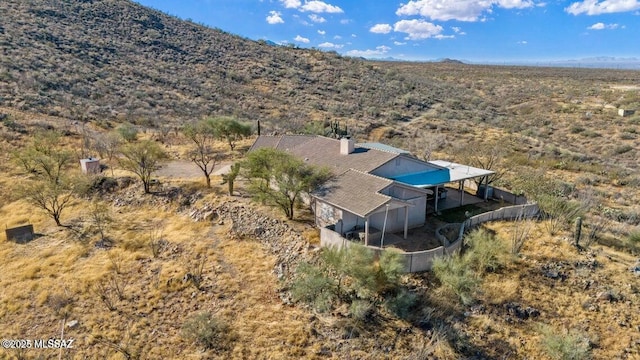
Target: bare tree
point(203, 135)
point(107, 146)
point(50, 189)
point(52, 197)
point(429, 142)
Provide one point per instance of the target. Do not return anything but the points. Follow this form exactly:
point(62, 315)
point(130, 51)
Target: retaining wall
point(418, 261)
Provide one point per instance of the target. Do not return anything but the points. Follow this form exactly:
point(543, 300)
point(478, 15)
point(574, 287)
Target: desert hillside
point(189, 271)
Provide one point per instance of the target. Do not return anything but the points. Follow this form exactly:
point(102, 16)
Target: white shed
point(90, 166)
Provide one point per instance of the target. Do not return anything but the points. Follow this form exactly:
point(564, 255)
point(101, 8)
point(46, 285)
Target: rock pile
point(287, 244)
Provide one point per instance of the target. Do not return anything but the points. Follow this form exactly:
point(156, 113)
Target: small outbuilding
point(90, 166)
point(626, 112)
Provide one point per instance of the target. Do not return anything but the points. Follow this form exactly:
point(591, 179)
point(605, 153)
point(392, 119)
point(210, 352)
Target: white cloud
point(398, 43)
point(321, 32)
point(320, 7)
point(417, 29)
point(345, 21)
point(337, 37)
point(380, 50)
point(275, 17)
point(301, 39)
point(354, 35)
point(441, 37)
point(458, 30)
point(595, 7)
point(317, 19)
point(523, 42)
point(381, 29)
point(291, 4)
point(462, 10)
point(602, 26)
point(328, 45)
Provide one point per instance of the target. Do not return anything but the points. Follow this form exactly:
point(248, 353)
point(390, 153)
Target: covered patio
point(447, 172)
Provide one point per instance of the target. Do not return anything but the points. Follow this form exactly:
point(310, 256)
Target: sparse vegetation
point(557, 130)
point(143, 159)
point(208, 331)
point(567, 345)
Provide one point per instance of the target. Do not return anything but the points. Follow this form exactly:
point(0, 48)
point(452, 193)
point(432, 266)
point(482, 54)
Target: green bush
point(313, 286)
point(349, 275)
point(455, 275)
point(128, 132)
point(402, 303)
point(486, 253)
point(568, 345)
point(208, 331)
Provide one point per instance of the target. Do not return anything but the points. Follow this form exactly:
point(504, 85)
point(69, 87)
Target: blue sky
point(477, 31)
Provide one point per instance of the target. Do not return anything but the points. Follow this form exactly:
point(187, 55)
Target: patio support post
point(436, 196)
point(366, 231)
point(486, 189)
point(406, 221)
point(384, 226)
point(461, 192)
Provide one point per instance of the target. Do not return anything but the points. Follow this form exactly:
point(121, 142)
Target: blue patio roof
point(426, 178)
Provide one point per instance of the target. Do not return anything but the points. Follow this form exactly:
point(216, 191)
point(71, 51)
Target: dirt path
point(188, 170)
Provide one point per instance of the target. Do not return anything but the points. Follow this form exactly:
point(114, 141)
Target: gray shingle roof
point(355, 191)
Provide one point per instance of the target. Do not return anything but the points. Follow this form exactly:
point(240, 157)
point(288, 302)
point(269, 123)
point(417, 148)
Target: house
point(377, 189)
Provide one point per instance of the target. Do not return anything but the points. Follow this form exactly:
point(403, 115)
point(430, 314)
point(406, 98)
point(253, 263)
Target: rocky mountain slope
point(117, 60)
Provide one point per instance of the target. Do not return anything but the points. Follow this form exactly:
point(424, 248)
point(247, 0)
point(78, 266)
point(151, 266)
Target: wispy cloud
point(275, 17)
point(329, 45)
point(317, 19)
point(321, 32)
point(603, 26)
point(301, 39)
point(379, 50)
point(595, 7)
point(381, 29)
point(462, 10)
point(458, 30)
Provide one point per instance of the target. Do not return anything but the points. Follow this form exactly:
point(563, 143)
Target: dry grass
point(569, 302)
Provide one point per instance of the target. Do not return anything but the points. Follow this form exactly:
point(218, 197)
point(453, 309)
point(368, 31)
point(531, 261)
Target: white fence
point(418, 261)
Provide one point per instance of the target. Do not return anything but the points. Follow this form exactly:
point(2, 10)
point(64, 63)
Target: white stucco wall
point(402, 165)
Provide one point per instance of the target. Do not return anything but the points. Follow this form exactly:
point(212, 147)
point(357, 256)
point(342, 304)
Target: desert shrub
point(455, 275)
point(208, 331)
point(462, 275)
point(618, 150)
point(486, 253)
point(349, 275)
point(577, 129)
point(314, 287)
point(128, 132)
point(628, 136)
point(632, 242)
point(559, 212)
point(568, 345)
point(402, 303)
point(361, 310)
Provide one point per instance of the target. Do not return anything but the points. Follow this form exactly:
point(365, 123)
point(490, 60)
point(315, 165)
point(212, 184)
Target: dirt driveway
point(187, 170)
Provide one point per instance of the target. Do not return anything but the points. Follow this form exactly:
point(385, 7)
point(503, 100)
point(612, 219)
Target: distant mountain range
point(604, 62)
